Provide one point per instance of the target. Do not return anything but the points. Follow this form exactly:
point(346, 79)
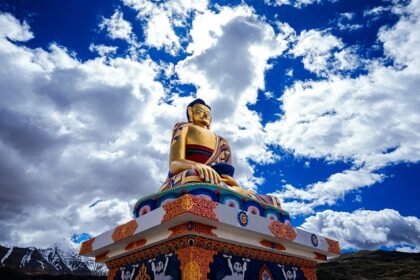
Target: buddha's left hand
point(229, 180)
point(233, 184)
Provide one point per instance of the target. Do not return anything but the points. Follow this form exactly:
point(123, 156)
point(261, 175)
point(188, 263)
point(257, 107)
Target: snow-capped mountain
point(60, 258)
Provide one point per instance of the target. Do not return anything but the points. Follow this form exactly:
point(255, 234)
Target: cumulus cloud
point(243, 43)
point(230, 52)
point(13, 29)
point(303, 201)
point(323, 53)
point(295, 3)
point(370, 121)
point(117, 27)
point(72, 131)
point(161, 19)
point(103, 50)
point(364, 229)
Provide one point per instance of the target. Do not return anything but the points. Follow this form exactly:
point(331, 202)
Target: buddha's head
point(199, 113)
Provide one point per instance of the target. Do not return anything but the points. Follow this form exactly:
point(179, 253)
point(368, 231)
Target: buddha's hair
point(197, 101)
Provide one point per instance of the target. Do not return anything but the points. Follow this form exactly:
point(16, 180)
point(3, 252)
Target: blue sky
point(319, 100)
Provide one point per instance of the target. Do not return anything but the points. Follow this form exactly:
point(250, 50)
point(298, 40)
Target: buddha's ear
point(190, 114)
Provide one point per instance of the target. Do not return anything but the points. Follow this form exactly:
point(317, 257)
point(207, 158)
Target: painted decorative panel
point(230, 267)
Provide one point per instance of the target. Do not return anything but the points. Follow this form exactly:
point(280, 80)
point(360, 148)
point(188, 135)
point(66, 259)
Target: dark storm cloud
point(104, 105)
point(11, 181)
point(27, 134)
point(230, 67)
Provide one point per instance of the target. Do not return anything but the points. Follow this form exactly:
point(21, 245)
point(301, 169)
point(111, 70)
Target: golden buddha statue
point(199, 155)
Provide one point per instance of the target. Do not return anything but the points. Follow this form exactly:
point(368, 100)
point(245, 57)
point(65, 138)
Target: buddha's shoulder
point(181, 125)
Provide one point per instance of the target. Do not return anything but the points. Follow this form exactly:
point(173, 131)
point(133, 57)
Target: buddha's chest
point(201, 136)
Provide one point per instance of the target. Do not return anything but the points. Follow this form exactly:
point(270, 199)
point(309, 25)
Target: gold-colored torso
point(197, 135)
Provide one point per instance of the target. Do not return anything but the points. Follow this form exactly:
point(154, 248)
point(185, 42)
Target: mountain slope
point(378, 265)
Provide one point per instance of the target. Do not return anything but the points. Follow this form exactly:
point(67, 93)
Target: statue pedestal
point(180, 235)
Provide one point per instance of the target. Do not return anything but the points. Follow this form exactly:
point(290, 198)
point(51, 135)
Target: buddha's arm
point(178, 162)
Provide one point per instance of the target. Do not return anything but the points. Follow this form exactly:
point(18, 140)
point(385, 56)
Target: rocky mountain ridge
point(59, 259)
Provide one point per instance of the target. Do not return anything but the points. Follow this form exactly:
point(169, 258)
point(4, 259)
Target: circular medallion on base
point(242, 218)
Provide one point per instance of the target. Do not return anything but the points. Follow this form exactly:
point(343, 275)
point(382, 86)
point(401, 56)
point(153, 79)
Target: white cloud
point(103, 50)
point(408, 249)
point(395, 6)
point(325, 193)
point(13, 29)
point(320, 42)
point(324, 53)
point(370, 121)
point(231, 68)
point(72, 131)
point(102, 215)
point(344, 22)
point(296, 3)
point(162, 18)
point(117, 27)
point(207, 28)
point(347, 16)
point(376, 11)
point(349, 26)
point(289, 72)
point(159, 33)
point(364, 229)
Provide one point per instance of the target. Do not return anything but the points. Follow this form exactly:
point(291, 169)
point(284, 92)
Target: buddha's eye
point(200, 111)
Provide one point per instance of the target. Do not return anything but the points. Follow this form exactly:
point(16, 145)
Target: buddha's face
point(200, 115)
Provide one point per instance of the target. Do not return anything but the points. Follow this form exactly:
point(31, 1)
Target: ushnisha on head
point(199, 113)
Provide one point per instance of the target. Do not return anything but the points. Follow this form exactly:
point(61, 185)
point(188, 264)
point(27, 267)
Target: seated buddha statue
point(199, 155)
